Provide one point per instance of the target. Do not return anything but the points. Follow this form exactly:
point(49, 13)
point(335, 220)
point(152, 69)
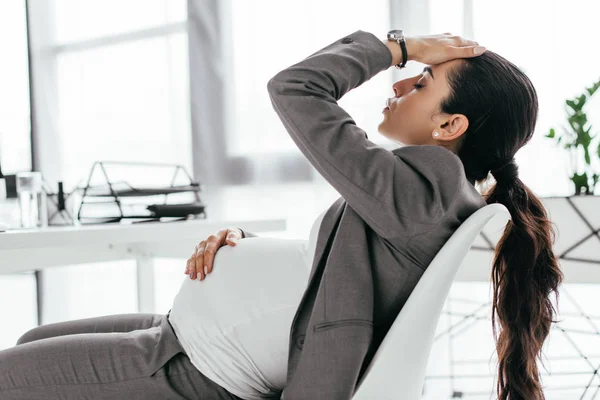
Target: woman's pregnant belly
point(234, 325)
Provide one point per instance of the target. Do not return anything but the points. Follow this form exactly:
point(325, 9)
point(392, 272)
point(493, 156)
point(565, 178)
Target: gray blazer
point(397, 209)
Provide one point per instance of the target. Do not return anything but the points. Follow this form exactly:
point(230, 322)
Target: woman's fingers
point(214, 242)
point(465, 48)
point(233, 235)
point(197, 260)
point(465, 51)
point(204, 255)
point(230, 236)
point(201, 262)
point(436, 49)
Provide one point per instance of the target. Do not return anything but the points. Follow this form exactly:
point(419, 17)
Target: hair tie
point(507, 172)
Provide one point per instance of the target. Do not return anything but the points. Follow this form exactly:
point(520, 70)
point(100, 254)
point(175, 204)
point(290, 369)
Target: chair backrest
point(397, 370)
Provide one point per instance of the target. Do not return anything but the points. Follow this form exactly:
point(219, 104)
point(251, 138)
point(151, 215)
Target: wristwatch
point(397, 35)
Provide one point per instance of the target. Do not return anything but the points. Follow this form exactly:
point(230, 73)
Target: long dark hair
point(501, 105)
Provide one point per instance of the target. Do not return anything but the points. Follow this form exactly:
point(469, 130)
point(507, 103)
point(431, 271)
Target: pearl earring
point(436, 134)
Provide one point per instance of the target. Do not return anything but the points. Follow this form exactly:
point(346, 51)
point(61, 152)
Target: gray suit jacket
point(396, 210)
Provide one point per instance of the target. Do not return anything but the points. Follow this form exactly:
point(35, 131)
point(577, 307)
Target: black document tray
point(175, 210)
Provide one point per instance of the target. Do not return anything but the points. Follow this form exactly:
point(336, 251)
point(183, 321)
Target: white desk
point(36, 249)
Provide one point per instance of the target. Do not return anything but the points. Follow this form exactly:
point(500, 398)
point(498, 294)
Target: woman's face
point(413, 115)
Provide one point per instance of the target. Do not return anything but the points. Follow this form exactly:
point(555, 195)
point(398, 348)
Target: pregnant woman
point(302, 319)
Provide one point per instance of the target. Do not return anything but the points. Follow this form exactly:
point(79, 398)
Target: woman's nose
point(401, 86)
point(398, 90)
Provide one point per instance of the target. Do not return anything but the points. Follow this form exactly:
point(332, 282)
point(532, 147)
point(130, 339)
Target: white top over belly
point(235, 324)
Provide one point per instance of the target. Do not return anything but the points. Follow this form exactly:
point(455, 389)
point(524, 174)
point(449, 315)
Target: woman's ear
point(453, 128)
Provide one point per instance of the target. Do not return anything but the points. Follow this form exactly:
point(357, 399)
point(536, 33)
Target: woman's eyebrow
point(428, 69)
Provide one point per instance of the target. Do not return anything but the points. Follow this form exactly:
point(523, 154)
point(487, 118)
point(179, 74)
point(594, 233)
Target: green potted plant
point(578, 142)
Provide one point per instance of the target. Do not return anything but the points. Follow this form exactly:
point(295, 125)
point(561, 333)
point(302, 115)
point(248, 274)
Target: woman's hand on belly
point(201, 262)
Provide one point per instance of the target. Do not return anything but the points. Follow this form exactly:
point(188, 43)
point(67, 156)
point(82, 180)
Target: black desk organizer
point(119, 192)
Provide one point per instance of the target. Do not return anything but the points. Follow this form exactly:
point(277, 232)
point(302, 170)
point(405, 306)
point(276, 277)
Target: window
point(78, 20)
point(119, 87)
point(127, 102)
point(15, 123)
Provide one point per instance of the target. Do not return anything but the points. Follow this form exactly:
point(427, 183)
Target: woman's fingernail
point(479, 50)
point(205, 270)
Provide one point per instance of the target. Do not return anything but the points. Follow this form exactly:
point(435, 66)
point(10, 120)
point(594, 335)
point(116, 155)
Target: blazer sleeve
point(389, 192)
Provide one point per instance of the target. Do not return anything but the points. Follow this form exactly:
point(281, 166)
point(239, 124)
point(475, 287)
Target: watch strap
point(404, 53)
point(400, 39)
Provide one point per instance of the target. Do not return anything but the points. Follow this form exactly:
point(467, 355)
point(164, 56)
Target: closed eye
point(417, 86)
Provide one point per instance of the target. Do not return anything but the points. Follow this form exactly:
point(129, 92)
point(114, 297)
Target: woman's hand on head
point(204, 254)
point(436, 49)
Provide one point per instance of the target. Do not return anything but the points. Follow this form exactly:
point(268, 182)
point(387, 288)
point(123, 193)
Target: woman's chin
point(389, 137)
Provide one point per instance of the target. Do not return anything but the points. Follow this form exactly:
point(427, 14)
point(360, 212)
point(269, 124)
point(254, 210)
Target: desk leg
point(39, 294)
point(145, 284)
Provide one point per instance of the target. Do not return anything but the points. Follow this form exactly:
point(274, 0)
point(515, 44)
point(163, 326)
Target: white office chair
point(397, 370)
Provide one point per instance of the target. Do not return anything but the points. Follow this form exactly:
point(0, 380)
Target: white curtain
point(235, 48)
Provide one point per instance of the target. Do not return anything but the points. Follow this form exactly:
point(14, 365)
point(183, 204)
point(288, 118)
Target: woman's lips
point(386, 108)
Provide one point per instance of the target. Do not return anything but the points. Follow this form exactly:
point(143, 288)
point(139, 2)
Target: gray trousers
point(123, 356)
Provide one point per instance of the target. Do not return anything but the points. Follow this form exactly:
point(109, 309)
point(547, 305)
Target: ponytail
point(525, 272)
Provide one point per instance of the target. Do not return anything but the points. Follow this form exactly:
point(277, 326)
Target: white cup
point(32, 200)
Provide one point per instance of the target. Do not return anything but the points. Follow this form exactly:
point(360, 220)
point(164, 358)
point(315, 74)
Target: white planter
point(577, 225)
point(576, 221)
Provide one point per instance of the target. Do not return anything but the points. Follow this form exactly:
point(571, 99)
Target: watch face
point(396, 33)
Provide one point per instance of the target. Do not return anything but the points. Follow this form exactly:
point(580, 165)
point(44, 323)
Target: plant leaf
point(586, 152)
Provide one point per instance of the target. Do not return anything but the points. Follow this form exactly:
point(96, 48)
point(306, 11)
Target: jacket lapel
point(331, 217)
point(325, 232)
